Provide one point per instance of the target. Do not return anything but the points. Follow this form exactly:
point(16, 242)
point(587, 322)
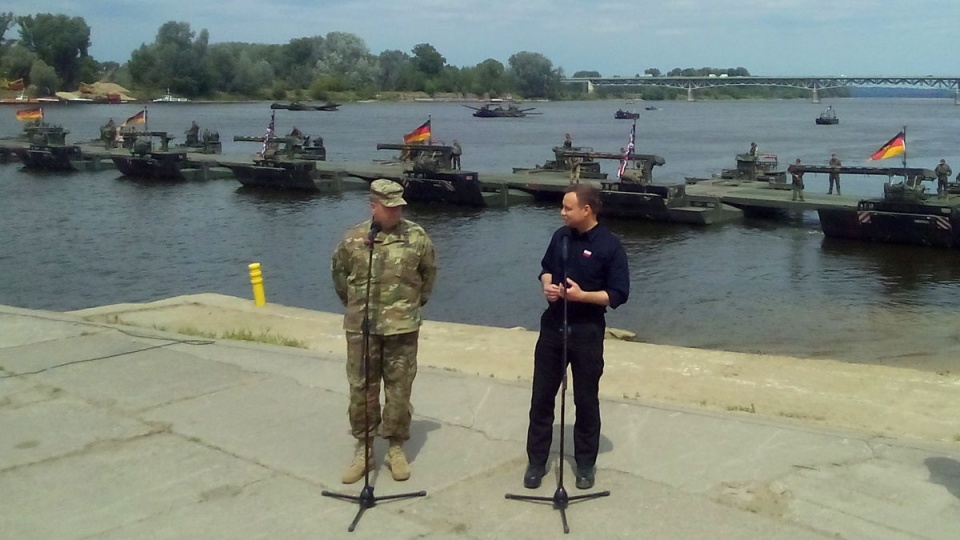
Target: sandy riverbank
point(877, 400)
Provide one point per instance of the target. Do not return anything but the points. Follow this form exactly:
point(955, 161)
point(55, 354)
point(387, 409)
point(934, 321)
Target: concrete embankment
point(880, 400)
point(126, 422)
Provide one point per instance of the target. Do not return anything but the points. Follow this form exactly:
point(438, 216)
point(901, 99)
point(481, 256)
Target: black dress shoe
point(585, 477)
point(531, 478)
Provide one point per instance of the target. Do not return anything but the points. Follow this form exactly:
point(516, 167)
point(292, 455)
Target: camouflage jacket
point(943, 170)
point(403, 272)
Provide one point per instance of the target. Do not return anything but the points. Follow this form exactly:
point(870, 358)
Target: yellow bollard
point(256, 278)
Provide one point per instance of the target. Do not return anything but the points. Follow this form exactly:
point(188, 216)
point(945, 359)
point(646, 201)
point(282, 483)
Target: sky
point(614, 37)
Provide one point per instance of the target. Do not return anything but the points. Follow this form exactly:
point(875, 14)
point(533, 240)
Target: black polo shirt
point(597, 261)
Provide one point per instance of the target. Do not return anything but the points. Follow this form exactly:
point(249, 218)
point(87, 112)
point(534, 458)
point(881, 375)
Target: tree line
point(52, 54)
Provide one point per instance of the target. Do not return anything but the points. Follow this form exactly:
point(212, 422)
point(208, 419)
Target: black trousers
point(585, 356)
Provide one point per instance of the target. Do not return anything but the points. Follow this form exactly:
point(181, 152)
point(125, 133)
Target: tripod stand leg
point(588, 496)
point(563, 520)
point(366, 500)
point(560, 502)
point(356, 519)
point(403, 496)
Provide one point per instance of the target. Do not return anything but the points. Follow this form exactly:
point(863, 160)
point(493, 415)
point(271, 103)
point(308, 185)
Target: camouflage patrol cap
point(389, 192)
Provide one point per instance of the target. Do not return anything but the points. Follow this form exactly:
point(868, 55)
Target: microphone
point(375, 227)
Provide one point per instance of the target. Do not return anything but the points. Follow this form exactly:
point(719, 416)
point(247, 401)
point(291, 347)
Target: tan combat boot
point(398, 461)
point(356, 469)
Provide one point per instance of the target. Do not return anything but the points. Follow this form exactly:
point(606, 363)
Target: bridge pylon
point(815, 95)
point(690, 92)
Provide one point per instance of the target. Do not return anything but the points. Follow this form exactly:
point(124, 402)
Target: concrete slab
point(114, 485)
point(237, 440)
point(481, 404)
point(695, 452)
point(636, 508)
point(69, 350)
point(149, 378)
point(273, 508)
point(16, 392)
point(309, 368)
point(22, 327)
point(275, 422)
point(59, 426)
point(873, 499)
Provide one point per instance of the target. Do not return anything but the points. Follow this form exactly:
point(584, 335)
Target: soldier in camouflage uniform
point(402, 277)
point(796, 179)
point(834, 177)
point(943, 172)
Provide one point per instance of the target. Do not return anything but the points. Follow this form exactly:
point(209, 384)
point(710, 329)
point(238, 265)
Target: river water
point(70, 241)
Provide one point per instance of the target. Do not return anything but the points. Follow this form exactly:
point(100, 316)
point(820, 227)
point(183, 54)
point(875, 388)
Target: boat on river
point(626, 115)
point(427, 175)
point(905, 214)
point(276, 173)
point(562, 163)
point(763, 168)
point(144, 161)
point(297, 106)
point(633, 195)
point(48, 150)
point(495, 109)
point(170, 98)
point(201, 142)
point(285, 163)
point(828, 117)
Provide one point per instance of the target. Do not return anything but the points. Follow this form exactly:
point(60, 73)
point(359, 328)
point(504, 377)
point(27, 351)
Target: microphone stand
point(560, 498)
point(367, 499)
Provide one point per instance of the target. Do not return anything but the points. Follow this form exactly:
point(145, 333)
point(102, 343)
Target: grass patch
point(263, 336)
point(798, 416)
point(193, 331)
point(742, 408)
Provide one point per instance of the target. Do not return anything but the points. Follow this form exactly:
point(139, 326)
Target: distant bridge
point(814, 84)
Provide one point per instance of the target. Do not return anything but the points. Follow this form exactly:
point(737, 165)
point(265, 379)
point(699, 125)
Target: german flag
point(30, 114)
point(420, 134)
point(894, 147)
point(139, 118)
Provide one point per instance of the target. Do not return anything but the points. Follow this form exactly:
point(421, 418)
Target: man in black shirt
point(594, 264)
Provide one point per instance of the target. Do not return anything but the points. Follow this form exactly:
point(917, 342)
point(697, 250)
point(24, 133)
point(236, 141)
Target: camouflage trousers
point(393, 360)
point(575, 170)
